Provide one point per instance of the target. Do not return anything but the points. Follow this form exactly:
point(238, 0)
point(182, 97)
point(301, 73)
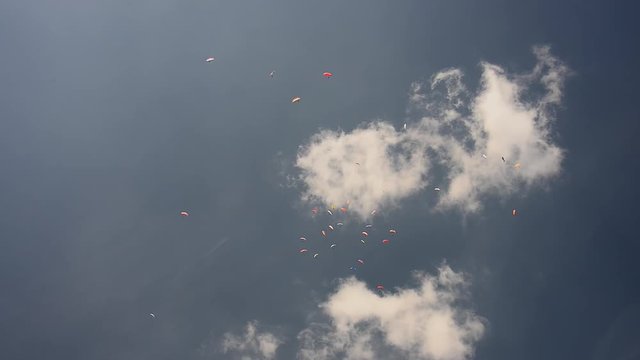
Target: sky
point(111, 123)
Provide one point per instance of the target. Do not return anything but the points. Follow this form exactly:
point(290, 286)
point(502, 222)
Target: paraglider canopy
point(295, 100)
point(209, 59)
point(302, 251)
point(392, 231)
point(327, 74)
point(184, 213)
point(379, 287)
point(386, 241)
point(514, 212)
point(365, 234)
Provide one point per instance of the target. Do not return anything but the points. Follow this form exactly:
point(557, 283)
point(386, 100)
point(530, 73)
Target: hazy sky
point(111, 123)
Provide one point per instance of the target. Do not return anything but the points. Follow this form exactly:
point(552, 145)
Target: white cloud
point(252, 344)
point(428, 322)
point(390, 167)
point(504, 118)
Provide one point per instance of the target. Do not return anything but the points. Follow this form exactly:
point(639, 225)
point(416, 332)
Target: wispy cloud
point(253, 344)
point(427, 322)
point(465, 134)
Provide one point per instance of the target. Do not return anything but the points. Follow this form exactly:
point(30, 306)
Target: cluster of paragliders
point(325, 233)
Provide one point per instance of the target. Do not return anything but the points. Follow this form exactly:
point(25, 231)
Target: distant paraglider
point(392, 231)
point(385, 242)
point(184, 213)
point(272, 73)
point(296, 100)
point(210, 59)
point(514, 212)
point(327, 74)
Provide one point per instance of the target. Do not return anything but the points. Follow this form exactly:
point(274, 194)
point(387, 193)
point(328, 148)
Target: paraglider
point(153, 315)
point(302, 251)
point(272, 73)
point(295, 100)
point(380, 287)
point(323, 233)
point(514, 212)
point(331, 227)
point(360, 261)
point(343, 210)
point(315, 255)
point(385, 241)
point(436, 189)
point(352, 268)
point(327, 74)
point(364, 233)
point(302, 238)
point(209, 59)
point(484, 156)
point(503, 160)
point(404, 127)
point(517, 165)
point(392, 231)
point(368, 226)
point(362, 241)
point(373, 212)
point(314, 211)
point(184, 213)
point(332, 246)
point(339, 224)
point(330, 212)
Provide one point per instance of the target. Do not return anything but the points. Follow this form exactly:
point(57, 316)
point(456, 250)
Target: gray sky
point(111, 123)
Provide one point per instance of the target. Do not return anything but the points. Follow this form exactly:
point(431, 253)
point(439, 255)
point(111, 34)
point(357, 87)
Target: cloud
point(428, 322)
point(508, 116)
point(370, 166)
point(252, 344)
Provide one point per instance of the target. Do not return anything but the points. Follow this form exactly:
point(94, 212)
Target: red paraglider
point(327, 74)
